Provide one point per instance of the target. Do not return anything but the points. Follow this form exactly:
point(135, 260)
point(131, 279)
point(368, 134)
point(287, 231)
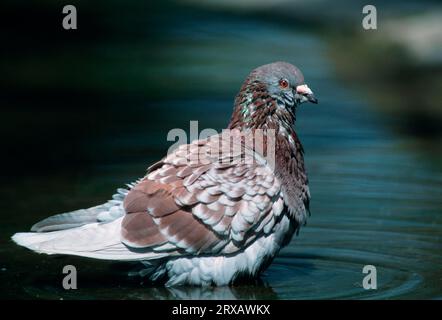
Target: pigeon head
point(272, 89)
point(284, 82)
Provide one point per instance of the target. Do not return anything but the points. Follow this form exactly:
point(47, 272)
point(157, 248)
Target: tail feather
point(68, 220)
point(108, 211)
point(93, 233)
point(95, 240)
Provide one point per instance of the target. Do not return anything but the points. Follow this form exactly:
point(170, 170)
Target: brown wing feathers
point(199, 208)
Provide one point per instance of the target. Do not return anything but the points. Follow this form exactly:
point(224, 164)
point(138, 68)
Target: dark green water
point(376, 199)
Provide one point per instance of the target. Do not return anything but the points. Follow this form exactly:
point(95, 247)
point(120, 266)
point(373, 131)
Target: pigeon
point(211, 212)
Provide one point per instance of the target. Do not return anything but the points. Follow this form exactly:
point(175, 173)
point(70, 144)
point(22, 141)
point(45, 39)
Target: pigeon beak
point(311, 98)
point(306, 93)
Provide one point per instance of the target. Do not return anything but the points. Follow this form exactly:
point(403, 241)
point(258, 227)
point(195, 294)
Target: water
point(376, 200)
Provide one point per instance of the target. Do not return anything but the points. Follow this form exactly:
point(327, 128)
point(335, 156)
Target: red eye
point(283, 83)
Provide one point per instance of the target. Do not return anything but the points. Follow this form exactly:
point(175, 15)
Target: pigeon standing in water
point(212, 211)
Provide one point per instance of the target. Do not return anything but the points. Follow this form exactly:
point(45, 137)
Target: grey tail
point(106, 212)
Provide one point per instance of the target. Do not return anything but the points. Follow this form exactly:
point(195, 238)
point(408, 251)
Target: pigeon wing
point(205, 197)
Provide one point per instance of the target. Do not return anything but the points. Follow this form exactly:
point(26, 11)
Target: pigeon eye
point(283, 83)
